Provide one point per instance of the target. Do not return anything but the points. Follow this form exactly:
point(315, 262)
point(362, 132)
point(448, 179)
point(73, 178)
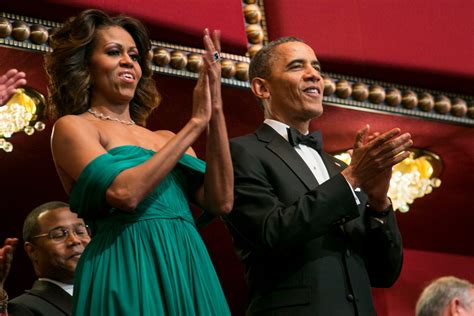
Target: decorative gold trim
point(21, 113)
point(255, 25)
point(264, 22)
point(340, 90)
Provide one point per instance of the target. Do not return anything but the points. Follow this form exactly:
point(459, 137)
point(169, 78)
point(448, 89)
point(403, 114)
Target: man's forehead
point(58, 216)
point(294, 50)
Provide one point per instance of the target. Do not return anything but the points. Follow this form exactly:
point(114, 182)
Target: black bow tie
point(313, 139)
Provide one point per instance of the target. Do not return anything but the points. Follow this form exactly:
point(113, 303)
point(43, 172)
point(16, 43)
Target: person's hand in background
point(9, 82)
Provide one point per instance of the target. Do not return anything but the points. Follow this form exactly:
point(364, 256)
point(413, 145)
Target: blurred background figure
point(54, 241)
point(446, 296)
point(6, 257)
point(9, 82)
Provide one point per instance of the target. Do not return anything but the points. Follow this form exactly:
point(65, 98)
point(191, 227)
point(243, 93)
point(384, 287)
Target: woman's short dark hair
point(68, 65)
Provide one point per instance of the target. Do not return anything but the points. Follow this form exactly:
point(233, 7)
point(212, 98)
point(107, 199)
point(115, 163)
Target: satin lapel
point(280, 147)
point(53, 294)
point(333, 165)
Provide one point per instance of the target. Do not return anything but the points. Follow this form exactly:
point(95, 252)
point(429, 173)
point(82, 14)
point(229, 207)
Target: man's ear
point(259, 88)
point(30, 250)
point(455, 306)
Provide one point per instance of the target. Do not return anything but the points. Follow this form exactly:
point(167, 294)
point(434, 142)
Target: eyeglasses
point(62, 233)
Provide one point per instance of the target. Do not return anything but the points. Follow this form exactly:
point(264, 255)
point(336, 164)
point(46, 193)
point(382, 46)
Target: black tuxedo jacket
point(308, 248)
point(44, 298)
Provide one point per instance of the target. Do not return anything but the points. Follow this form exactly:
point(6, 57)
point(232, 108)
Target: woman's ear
point(260, 89)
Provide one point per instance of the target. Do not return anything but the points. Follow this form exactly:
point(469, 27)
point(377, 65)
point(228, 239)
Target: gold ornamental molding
point(32, 34)
point(255, 25)
point(378, 96)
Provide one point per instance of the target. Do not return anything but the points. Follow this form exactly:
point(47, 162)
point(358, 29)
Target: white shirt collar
point(279, 127)
point(66, 287)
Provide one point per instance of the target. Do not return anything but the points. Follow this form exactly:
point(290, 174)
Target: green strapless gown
point(149, 262)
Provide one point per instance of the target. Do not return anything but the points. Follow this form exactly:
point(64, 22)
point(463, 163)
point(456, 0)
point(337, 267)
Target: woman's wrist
point(217, 110)
point(198, 123)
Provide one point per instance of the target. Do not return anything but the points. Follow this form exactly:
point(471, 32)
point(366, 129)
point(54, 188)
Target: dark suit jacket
point(44, 298)
point(308, 248)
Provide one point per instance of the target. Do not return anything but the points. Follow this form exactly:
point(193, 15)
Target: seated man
point(446, 296)
point(54, 241)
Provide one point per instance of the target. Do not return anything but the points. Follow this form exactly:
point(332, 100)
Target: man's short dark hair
point(30, 226)
point(261, 63)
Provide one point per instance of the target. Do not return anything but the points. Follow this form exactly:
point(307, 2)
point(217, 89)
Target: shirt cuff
point(356, 199)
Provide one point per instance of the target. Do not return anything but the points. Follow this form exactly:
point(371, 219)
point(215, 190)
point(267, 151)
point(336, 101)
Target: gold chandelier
point(21, 113)
point(413, 178)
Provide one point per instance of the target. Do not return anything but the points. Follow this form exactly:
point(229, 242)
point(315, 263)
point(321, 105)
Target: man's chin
point(71, 264)
point(315, 113)
point(318, 114)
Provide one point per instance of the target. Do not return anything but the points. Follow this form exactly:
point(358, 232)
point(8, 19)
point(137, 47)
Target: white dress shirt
point(69, 288)
point(310, 156)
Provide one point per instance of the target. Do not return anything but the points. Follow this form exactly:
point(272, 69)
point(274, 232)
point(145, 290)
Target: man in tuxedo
point(54, 241)
point(313, 233)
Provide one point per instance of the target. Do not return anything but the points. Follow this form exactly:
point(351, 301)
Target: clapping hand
point(373, 157)
point(213, 65)
point(207, 92)
point(11, 80)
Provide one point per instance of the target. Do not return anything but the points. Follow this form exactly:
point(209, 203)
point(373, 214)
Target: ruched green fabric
point(148, 262)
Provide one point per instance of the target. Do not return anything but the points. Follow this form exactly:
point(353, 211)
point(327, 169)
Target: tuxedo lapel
point(281, 148)
point(53, 294)
point(333, 165)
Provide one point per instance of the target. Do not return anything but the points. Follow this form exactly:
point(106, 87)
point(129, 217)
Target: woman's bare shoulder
point(164, 133)
point(73, 132)
point(72, 122)
point(73, 125)
point(75, 142)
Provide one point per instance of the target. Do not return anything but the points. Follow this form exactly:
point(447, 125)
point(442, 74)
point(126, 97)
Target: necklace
point(104, 117)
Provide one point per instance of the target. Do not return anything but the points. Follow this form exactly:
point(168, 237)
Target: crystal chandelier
point(413, 178)
point(20, 113)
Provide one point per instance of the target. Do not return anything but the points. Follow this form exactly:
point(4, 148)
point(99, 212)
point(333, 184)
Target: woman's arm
point(134, 184)
point(76, 142)
point(217, 193)
point(75, 146)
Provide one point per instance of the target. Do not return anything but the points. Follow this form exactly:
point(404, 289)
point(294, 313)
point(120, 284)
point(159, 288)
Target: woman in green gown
point(133, 184)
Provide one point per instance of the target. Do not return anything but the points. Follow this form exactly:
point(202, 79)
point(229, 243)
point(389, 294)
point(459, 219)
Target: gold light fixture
point(21, 113)
point(413, 178)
